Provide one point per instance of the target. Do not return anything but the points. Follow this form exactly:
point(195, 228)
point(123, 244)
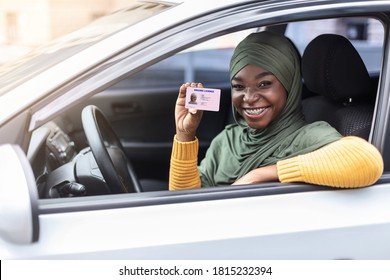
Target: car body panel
point(239, 228)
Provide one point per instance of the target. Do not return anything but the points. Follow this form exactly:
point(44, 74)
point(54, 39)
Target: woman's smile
point(255, 112)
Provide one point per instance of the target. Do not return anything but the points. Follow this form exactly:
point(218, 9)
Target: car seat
point(333, 70)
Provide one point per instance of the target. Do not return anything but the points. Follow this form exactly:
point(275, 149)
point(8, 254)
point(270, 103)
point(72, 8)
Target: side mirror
point(19, 221)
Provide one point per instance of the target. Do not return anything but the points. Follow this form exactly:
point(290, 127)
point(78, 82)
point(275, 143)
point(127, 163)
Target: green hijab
point(239, 148)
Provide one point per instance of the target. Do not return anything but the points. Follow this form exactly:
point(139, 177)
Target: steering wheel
point(108, 152)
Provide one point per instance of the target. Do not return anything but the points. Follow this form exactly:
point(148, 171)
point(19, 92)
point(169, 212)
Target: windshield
point(15, 72)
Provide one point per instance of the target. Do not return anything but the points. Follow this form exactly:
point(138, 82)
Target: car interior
point(137, 115)
point(335, 72)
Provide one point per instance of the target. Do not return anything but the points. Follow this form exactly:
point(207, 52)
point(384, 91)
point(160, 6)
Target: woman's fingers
point(187, 120)
point(195, 84)
point(192, 111)
point(183, 90)
point(184, 87)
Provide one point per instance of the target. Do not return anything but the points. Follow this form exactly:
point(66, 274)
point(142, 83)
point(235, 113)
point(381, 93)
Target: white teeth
point(255, 111)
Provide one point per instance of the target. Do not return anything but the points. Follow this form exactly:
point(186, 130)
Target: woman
point(270, 140)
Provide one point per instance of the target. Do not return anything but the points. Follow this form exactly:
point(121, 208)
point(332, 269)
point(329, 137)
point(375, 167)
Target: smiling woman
point(271, 140)
point(258, 96)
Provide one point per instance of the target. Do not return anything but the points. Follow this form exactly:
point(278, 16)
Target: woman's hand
point(187, 120)
point(259, 175)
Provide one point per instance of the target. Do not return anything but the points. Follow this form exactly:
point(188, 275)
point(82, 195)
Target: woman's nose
point(251, 95)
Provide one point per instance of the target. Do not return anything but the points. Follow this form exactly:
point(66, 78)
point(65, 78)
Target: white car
point(60, 198)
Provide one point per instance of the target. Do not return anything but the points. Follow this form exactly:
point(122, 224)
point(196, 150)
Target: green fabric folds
point(239, 149)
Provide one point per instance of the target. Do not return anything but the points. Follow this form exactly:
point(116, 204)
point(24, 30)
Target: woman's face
point(258, 96)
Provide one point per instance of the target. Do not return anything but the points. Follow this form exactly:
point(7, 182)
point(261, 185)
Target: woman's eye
point(237, 87)
point(264, 84)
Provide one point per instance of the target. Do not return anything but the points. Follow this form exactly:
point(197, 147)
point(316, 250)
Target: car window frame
point(123, 200)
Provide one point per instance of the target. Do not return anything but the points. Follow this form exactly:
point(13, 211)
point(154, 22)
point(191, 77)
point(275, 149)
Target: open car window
point(209, 61)
point(140, 107)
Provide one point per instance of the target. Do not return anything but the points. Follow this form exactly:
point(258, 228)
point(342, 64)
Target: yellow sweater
point(347, 163)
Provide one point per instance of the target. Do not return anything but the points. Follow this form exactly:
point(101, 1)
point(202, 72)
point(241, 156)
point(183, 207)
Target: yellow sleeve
point(347, 163)
point(183, 173)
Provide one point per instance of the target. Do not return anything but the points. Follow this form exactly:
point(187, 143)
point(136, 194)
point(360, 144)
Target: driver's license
point(206, 99)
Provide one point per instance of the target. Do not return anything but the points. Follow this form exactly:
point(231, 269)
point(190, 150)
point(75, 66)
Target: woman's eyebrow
point(263, 74)
point(238, 79)
point(258, 76)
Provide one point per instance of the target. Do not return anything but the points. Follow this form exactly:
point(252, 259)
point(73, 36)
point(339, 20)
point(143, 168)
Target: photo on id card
point(206, 99)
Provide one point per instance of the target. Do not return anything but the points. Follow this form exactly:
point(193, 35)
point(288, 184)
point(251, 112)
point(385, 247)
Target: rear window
point(366, 34)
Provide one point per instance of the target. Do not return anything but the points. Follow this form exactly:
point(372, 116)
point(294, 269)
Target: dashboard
point(60, 169)
point(50, 147)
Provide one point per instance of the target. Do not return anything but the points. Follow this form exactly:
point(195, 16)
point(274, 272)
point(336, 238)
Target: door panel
point(319, 224)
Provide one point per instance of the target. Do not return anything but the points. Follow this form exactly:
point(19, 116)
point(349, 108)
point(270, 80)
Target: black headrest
point(332, 67)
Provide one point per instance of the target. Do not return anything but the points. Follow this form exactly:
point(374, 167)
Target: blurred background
point(25, 24)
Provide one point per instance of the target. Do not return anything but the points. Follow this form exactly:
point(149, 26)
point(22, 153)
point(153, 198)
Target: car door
point(268, 221)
